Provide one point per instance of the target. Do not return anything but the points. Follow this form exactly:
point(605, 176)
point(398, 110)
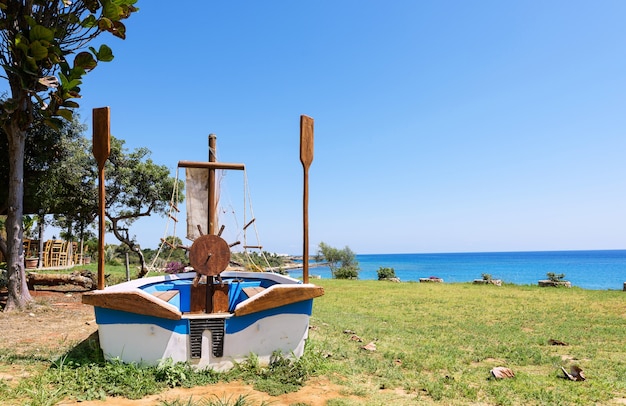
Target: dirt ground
point(60, 320)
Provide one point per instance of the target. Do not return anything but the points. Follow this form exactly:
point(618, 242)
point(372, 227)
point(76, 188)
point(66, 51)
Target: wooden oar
point(306, 157)
point(101, 151)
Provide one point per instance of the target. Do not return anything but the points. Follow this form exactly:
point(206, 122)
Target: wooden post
point(306, 157)
point(213, 218)
point(127, 268)
point(101, 151)
point(213, 215)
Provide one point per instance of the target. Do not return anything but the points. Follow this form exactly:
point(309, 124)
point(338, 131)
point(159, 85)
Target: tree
point(342, 263)
point(74, 202)
point(386, 273)
point(59, 177)
point(37, 40)
point(46, 155)
point(136, 187)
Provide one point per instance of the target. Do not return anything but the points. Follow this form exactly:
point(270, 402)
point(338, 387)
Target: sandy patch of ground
point(55, 320)
point(317, 393)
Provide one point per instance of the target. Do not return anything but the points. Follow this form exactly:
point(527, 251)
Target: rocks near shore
point(547, 282)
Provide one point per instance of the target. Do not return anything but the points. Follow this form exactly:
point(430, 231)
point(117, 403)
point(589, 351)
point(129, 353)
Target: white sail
point(197, 201)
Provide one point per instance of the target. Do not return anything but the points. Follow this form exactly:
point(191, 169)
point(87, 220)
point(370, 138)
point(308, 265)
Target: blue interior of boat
point(182, 301)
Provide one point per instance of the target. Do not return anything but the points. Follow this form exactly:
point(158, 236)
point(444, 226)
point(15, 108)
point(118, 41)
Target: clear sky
point(440, 126)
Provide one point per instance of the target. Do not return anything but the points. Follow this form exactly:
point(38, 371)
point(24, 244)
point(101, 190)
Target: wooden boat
point(210, 317)
point(156, 318)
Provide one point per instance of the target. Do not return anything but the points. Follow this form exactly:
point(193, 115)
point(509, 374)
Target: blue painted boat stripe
point(237, 324)
point(233, 324)
point(110, 316)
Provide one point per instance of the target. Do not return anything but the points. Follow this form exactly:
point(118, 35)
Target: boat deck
point(177, 298)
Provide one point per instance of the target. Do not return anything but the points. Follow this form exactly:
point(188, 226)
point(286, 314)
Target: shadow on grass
point(86, 352)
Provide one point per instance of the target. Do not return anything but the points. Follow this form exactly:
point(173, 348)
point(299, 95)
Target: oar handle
point(101, 151)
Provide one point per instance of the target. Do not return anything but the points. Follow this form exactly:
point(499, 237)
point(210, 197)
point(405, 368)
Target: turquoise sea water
point(600, 270)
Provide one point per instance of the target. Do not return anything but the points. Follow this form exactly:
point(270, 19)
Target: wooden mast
point(209, 254)
point(213, 218)
point(101, 151)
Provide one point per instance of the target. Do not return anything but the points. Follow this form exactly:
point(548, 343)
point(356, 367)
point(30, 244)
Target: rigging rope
point(247, 201)
point(169, 214)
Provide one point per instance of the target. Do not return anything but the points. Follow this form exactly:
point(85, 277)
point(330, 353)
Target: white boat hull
point(203, 340)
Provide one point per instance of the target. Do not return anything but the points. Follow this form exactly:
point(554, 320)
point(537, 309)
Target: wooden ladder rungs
point(253, 290)
point(166, 295)
point(249, 223)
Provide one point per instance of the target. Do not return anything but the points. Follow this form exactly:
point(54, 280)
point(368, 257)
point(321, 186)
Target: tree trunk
point(75, 278)
point(131, 244)
point(19, 296)
point(3, 248)
point(40, 228)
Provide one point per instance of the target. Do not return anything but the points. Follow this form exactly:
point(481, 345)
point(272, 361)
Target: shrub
point(555, 277)
point(347, 273)
point(386, 273)
point(486, 277)
point(342, 263)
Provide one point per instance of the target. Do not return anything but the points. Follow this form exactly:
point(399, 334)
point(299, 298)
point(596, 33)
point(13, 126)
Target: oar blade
point(306, 140)
point(101, 135)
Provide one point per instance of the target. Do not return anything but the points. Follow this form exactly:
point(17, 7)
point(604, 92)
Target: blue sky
point(440, 126)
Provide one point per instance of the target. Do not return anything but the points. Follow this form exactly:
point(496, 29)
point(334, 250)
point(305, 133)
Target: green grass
point(439, 341)
point(435, 344)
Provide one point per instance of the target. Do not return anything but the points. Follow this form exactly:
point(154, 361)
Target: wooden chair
point(56, 252)
point(33, 250)
point(76, 257)
point(46, 253)
point(65, 254)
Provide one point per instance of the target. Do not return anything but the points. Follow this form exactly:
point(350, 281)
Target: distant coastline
point(590, 269)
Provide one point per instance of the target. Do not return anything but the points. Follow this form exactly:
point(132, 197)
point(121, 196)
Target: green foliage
point(346, 273)
point(37, 47)
point(486, 276)
point(136, 187)
point(282, 375)
point(84, 376)
point(174, 254)
point(254, 261)
point(386, 273)
point(71, 193)
point(342, 263)
point(96, 381)
point(555, 277)
point(58, 169)
point(172, 374)
point(112, 255)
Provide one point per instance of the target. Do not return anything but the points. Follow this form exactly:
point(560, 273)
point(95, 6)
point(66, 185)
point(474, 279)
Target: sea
point(596, 270)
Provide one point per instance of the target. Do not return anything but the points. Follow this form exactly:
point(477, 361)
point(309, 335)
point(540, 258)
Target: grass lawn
point(438, 342)
point(435, 345)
